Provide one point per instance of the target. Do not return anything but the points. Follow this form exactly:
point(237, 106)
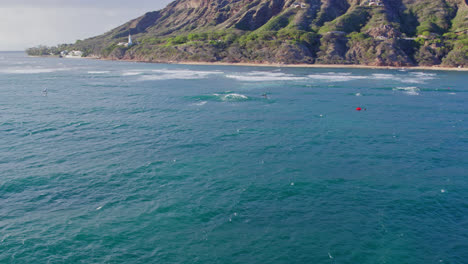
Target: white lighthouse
point(130, 43)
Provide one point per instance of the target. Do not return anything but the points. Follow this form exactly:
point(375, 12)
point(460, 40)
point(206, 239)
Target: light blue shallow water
point(143, 163)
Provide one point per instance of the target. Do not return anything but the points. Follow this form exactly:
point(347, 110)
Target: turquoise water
point(117, 162)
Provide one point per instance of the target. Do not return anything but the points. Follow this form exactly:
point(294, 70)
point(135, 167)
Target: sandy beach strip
point(334, 66)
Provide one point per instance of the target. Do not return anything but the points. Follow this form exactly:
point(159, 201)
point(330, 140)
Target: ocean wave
point(219, 97)
point(30, 70)
point(419, 77)
point(261, 76)
point(411, 78)
point(424, 74)
point(408, 90)
point(384, 76)
point(132, 73)
point(232, 97)
point(98, 72)
point(181, 74)
point(202, 103)
point(336, 77)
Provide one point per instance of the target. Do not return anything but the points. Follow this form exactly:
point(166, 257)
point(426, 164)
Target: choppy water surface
point(116, 162)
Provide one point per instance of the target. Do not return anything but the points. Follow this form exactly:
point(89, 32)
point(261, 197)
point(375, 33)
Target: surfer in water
point(44, 92)
point(265, 95)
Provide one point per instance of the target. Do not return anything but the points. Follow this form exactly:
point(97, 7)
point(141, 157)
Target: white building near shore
point(72, 54)
point(126, 44)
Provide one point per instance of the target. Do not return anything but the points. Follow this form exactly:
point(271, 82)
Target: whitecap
point(184, 71)
point(263, 76)
point(231, 97)
point(201, 103)
point(336, 77)
point(424, 74)
point(181, 74)
point(98, 72)
point(419, 77)
point(383, 76)
point(29, 70)
point(235, 96)
point(132, 73)
point(408, 90)
point(358, 94)
point(412, 78)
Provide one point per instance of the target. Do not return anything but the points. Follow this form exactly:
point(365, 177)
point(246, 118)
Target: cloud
point(26, 23)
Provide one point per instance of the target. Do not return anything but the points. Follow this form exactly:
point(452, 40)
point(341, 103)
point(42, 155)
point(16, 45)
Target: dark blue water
point(117, 162)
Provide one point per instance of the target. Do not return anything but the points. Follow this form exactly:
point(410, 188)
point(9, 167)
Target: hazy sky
point(26, 23)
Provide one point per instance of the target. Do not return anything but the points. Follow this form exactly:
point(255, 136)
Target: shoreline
point(279, 65)
point(336, 66)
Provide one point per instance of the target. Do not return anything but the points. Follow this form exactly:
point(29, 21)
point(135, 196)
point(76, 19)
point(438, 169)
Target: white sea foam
point(29, 70)
point(419, 77)
point(231, 97)
point(382, 76)
point(234, 96)
point(412, 78)
point(408, 90)
point(98, 72)
point(132, 73)
point(424, 74)
point(201, 103)
point(358, 94)
point(263, 76)
point(181, 74)
point(336, 77)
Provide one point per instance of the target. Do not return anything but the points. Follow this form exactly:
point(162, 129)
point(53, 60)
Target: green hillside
point(369, 32)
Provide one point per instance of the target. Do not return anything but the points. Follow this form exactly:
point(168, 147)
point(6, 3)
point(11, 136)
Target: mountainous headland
point(398, 33)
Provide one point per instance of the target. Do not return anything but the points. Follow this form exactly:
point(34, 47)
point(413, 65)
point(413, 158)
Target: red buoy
point(358, 109)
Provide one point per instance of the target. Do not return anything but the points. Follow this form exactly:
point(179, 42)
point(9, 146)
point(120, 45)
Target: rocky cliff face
point(371, 32)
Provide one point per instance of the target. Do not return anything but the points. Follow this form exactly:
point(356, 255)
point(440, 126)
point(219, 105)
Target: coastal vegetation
point(380, 33)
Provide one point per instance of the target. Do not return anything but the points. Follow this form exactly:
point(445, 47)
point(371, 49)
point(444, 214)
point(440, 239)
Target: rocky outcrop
point(333, 49)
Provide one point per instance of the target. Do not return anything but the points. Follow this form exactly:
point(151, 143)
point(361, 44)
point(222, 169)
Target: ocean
point(121, 162)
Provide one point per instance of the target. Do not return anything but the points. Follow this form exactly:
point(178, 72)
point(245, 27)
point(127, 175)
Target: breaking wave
point(30, 70)
point(220, 97)
point(262, 76)
point(381, 76)
point(98, 72)
point(132, 73)
point(178, 75)
point(336, 77)
point(201, 103)
point(232, 97)
point(408, 90)
point(413, 77)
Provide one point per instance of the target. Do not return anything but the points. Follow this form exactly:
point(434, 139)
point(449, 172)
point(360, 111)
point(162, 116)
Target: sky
point(28, 23)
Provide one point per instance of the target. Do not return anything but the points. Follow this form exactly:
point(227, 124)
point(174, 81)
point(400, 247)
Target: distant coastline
point(359, 34)
point(338, 66)
point(253, 64)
